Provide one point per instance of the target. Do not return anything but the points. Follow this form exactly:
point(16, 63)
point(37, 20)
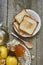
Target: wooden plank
point(34, 41)
point(11, 13)
point(27, 4)
point(38, 8)
point(3, 11)
point(0, 10)
point(41, 35)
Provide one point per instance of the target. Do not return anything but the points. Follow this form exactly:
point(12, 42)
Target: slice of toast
point(28, 25)
point(16, 26)
point(20, 15)
point(18, 29)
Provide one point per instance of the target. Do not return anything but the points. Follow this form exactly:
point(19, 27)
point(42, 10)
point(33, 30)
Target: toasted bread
point(20, 15)
point(28, 25)
point(17, 27)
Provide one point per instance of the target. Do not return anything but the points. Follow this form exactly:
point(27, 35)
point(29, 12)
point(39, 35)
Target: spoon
point(27, 44)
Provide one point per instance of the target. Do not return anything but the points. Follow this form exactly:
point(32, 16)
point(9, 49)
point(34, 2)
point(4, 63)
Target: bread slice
point(18, 29)
point(20, 15)
point(16, 26)
point(28, 25)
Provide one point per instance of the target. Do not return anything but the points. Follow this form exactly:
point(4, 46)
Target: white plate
point(37, 18)
point(26, 55)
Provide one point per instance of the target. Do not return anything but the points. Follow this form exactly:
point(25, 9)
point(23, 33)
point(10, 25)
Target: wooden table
point(8, 8)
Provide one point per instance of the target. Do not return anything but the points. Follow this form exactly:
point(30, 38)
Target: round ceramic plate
point(37, 18)
point(26, 59)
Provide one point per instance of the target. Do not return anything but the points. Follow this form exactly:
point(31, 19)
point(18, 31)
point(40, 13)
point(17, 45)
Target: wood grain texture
point(37, 6)
point(14, 6)
point(0, 9)
point(3, 11)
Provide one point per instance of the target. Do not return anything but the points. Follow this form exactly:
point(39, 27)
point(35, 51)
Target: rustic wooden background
point(9, 8)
